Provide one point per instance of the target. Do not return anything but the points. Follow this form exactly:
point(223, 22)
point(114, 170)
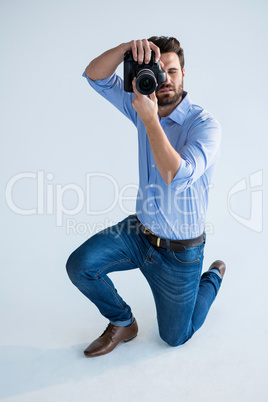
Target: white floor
point(45, 330)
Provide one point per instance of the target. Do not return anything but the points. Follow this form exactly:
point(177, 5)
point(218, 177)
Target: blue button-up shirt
point(176, 210)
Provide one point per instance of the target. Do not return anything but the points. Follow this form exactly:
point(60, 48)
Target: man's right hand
point(142, 49)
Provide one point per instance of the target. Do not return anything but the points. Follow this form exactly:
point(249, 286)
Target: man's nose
point(168, 81)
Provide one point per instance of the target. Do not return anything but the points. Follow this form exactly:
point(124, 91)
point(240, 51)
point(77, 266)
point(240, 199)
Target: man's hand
point(145, 106)
point(142, 49)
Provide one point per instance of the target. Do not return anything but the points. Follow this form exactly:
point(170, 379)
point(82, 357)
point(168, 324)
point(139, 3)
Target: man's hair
point(169, 44)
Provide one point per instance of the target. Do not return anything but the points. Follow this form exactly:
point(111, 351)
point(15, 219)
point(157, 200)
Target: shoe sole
point(128, 340)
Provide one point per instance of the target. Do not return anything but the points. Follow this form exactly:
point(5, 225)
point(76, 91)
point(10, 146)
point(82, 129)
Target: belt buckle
point(146, 231)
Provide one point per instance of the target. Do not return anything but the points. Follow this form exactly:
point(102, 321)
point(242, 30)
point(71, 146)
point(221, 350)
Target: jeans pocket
point(150, 257)
point(189, 256)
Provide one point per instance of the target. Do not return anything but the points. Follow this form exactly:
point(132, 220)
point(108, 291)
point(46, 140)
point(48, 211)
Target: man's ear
point(183, 72)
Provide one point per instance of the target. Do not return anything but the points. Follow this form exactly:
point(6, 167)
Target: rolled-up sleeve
point(111, 88)
point(201, 150)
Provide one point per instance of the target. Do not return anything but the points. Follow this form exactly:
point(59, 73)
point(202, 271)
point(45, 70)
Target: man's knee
point(70, 267)
point(173, 339)
point(75, 267)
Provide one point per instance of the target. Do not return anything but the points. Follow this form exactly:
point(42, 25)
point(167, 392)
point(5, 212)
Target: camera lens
point(146, 82)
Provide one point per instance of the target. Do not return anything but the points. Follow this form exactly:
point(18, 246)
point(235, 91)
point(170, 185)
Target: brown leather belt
point(173, 245)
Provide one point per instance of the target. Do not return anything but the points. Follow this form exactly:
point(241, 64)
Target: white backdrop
point(55, 139)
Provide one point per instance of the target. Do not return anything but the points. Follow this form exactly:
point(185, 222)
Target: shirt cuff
point(99, 85)
point(183, 177)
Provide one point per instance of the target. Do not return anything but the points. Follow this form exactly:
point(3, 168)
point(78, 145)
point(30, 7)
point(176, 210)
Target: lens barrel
point(146, 82)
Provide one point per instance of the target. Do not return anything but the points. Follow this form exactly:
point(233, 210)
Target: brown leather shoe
point(220, 265)
point(110, 338)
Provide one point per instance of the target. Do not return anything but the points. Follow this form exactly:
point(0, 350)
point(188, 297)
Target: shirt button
point(153, 165)
point(151, 185)
point(151, 204)
point(153, 221)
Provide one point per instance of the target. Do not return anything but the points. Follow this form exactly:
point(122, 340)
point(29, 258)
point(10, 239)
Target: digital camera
point(149, 76)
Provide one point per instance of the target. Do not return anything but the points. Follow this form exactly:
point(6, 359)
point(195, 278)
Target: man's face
point(171, 90)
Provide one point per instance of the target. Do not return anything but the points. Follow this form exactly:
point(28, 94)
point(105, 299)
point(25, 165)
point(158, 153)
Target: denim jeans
point(182, 296)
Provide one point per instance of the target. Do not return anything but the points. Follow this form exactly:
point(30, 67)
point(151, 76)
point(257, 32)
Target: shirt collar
point(180, 112)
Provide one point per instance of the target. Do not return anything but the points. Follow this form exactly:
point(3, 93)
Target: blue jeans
point(182, 296)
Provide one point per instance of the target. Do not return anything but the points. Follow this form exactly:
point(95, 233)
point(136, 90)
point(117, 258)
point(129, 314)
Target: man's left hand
point(145, 106)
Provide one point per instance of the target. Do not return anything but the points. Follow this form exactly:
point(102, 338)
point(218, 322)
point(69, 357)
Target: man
point(178, 149)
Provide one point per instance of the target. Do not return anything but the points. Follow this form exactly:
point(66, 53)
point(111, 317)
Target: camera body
point(149, 76)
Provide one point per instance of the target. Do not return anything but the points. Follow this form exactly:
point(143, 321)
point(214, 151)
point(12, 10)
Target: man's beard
point(166, 99)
